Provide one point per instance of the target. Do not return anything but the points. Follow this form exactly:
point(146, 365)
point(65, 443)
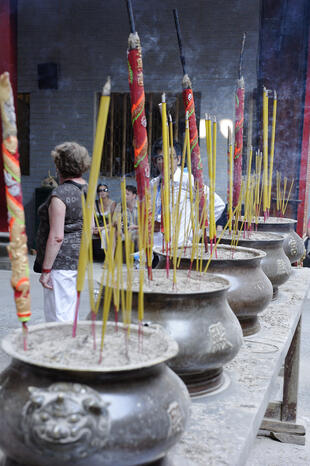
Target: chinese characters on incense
point(17, 248)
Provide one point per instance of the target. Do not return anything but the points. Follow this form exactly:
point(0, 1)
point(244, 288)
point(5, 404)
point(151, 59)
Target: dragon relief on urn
point(66, 419)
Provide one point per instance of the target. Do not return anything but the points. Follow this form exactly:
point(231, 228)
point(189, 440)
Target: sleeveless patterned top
point(70, 194)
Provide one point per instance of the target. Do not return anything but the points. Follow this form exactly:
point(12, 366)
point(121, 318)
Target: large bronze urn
point(197, 315)
point(275, 264)
point(293, 244)
point(57, 412)
point(250, 289)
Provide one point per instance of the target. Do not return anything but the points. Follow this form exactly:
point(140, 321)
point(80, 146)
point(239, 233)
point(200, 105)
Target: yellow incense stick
point(273, 134)
point(210, 170)
point(118, 261)
point(189, 168)
point(288, 197)
point(125, 219)
point(278, 191)
point(218, 240)
point(166, 187)
point(90, 261)
point(213, 176)
point(178, 211)
point(265, 149)
point(284, 192)
point(230, 198)
point(247, 194)
point(93, 178)
point(142, 230)
point(171, 161)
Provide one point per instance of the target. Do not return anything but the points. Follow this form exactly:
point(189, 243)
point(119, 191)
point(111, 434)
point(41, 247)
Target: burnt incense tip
point(163, 97)
point(133, 41)
point(107, 87)
point(170, 117)
point(241, 54)
point(241, 82)
point(275, 95)
point(229, 136)
point(130, 16)
point(186, 82)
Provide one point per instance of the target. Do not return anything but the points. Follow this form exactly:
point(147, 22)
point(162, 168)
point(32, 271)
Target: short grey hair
point(71, 159)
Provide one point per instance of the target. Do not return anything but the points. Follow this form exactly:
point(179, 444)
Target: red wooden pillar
point(304, 172)
point(8, 62)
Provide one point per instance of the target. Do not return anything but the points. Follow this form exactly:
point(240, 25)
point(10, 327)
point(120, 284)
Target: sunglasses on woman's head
point(103, 190)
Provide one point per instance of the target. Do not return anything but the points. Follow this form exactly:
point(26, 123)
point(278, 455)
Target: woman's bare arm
point(56, 212)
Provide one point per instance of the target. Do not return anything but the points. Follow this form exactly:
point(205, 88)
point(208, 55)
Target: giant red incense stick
point(239, 119)
point(189, 104)
point(138, 118)
point(135, 70)
point(17, 248)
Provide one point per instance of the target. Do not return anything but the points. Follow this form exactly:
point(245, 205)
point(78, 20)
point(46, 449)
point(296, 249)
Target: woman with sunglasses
point(104, 207)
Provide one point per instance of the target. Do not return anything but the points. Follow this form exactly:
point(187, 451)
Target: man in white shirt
point(185, 231)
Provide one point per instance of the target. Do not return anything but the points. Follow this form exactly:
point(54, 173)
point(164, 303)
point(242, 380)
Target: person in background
point(59, 233)
point(132, 213)
point(185, 205)
point(104, 208)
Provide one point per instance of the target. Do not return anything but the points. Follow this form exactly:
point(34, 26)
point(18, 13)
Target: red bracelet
point(46, 270)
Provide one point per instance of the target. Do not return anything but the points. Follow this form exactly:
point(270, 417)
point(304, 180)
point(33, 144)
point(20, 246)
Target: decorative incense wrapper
point(239, 112)
point(189, 104)
point(135, 78)
point(18, 251)
point(139, 123)
point(239, 119)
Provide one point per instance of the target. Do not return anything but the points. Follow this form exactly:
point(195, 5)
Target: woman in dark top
point(59, 233)
point(104, 208)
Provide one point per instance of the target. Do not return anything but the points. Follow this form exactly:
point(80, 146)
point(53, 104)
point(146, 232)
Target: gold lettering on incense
point(140, 79)
point(17, 250)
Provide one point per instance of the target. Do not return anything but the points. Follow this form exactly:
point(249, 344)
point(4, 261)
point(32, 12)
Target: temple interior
point(193, 120)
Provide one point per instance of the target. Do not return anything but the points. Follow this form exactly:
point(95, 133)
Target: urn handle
point(68, 420)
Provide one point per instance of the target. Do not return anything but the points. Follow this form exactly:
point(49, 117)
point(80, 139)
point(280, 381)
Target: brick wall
point(88, 39)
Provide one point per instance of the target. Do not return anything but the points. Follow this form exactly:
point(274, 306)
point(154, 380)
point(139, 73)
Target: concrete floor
point(265, 452)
